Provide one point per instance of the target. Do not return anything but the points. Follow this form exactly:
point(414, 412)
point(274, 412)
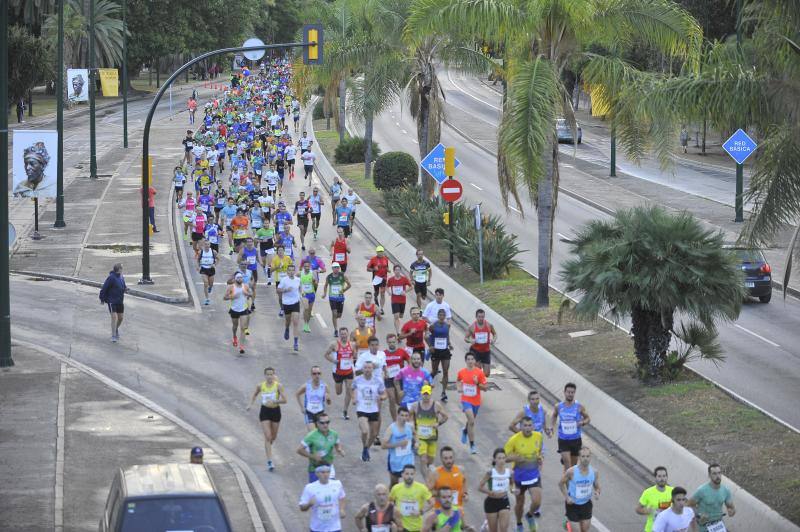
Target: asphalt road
point(183, 360)
point(762, 347)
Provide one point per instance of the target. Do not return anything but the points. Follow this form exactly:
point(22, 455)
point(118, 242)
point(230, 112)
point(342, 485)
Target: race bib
point(308, 288)
point(393, 371)
point(397, 290)
point(719, 526)
point(268, 397)
point(344, 218)
point(469, 390)
point(206, 261)
point(408, 508)
point(425, 431)
point(529, 482)
point(369, 321)
point(404, 450)
point(326, 512)
point(500, 484)
point(454, 495)
point(569, 427)
point(346, 364)
point(251, 259)
point(336, 289)
point(381, 528)
point(583, 491)
point(339, 257)
point(377, 280)
point(368, 402)
point(441, 343)
point(314, 406)
point(421, 276)
point(481, 337)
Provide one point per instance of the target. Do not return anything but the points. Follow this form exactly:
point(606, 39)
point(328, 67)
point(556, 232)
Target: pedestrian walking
point(684, 138)
point(151, 207)
point(112, 294)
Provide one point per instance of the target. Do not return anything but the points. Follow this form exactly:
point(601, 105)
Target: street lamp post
point(60, 119)
point(92, 78)
point(124, 75)
point(739, 203)
point(5, 296)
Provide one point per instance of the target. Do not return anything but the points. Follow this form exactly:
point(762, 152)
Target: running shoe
point(344, 415)
point(377, 442)
point(114, 339)
point(531, 520)
point(280, 314)
point(382, 312)
point(307, 328)
point(235, 342)
point(365, 455)
point(443, 397)
point(537, 514)
point(286, 333)
point(302, 248)
point(207, 302)
point(270, 465)
point(335, 333)
point(296, 345)
point(247, 331)
point(473, 449)
point(519, 528)
point(241, 350)
point(464, 436)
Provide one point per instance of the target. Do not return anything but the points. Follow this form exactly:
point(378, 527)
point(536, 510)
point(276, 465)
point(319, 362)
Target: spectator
point(113, 294)
point(196, 455)
point(151, 206)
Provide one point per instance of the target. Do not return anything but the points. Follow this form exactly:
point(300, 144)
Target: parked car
point(146, 498)
point(757, 273)
point(564, 132)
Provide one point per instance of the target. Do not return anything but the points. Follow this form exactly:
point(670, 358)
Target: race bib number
point(719, 526)
point(308, 288)
point(368, 402)
point(408, 508)
point(482, 338)
point(251, 259)
point(339, 257)
point(268, 397)
point(404, 450)
point(393, 371)
point(381, 528)
point(441, 343)
point(206, 261)
point(377, 280)
point(369, 321)
point(469, 390)
point(344, 218)
point(425, 431)
point(346, 364)
point(500, 484)
point(583, 491)
point(326, 512)
point(421, 277)
point(397, 290)
point(314, 406)
point(336, 290)
point(569, 427)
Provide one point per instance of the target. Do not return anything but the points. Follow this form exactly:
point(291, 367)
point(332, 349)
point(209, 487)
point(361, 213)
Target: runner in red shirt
point(470, 381)
point(343, 357)
point(398, 285)
point(368, 310)
point(396, 358)
point(379, 266)
point(413, 332)
point(481, 336)
point(340, 249)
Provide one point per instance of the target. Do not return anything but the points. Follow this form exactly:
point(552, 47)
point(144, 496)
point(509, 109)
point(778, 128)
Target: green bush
point(393, 170)
point(420, 221)
point(500, 248)
point(352, 151)
point(396, 201)
point(318, 113)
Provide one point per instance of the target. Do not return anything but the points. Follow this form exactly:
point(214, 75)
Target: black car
point(757, 273)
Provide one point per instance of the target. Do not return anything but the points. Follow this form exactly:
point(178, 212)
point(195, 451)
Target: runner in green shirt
point(709, 499)
point(318, 446)
point(308, 289)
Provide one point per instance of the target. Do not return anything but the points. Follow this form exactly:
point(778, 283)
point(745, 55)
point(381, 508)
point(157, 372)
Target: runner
point(316, 201)
point(228, 213)
point(188, 146)
point(655, 499)
point(495, 484)
point(265, 237)
point(336, 195)
point(361, 335)
point(336, 284)
point(212, 233)
point(481, 336)
point(279, 266)
point(343, 217)
point(308, 157)
point(432, 308)
point(410, 380)
point(534, 410)
point(470, 382)
point(301, 210)
point(428, 416)
point(352, 201)
point(325, 498)
point(709, 499)
point(340, 248)
point(308, 289)
point(367, 310)
point(250, 255)
point(283, 218)
point(240, 227)
point(290, 152)
point(400, 441)
point(272, 397)
point(379, 514)
point(373, 355)
point(524, 451)
point(318, 446)
point(413, 332)
point(412, 499)
point(289, 290)
point(379, 266)
point(578, 485)
point(206, 262)
point(369, 392)
point(450, 477)
point(440, 349)
point(342, 366)
point(238, 294)
point(421, 273)
point(304, 142)
point(398, 286)
point(678, 517)
point(312, 397)
point(178, 180)
point(571, 416)
point(396, 358)
point(447, 515)
point(317, 264)
point(198, 221)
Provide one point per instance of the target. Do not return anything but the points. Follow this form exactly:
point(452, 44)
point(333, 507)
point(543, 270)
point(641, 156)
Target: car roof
point(167, 479)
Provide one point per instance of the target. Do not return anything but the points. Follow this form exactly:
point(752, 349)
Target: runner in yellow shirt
point(412, 499)
point(524, 450)
point(655, 499)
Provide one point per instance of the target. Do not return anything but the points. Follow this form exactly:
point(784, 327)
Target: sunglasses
point(316, 373)
point(323, 422)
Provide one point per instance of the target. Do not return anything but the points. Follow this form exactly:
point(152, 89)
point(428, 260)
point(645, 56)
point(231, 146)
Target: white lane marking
point(599, 526)
point(471, 95)
point(567, 165)
point(563, 236)
point(476, 186)
point(320, 320)
point(404, 132)
point(515, 209)
point(748, 331)
point(398, 124)
point(58, 506)
point(415, 141)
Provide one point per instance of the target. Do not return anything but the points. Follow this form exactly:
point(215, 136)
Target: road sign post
point(740, 146)
point(479, 229)
point(450, 190)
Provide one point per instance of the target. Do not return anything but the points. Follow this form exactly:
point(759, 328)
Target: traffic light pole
point(5, 297)
point(60, 119)
point(124, 74)
point(146, 279)
point(92, 79)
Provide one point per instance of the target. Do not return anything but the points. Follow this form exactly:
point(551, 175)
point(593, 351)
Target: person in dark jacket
point(112, 294)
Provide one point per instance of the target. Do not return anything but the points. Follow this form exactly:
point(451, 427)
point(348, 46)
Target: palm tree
point(108, 32)
point(542, 38)
point(648, 264)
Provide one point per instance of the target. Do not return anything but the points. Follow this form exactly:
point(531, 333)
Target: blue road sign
point(740, 146)
point(433, 163)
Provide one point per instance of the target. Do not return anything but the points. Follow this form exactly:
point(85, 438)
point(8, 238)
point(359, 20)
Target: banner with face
point(35, 163)
point(78, 84)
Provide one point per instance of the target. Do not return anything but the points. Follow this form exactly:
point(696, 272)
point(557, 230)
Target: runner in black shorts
point(272, 395)
point(301, 210)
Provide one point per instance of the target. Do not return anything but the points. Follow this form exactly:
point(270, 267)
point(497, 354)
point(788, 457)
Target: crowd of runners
point(230, 191)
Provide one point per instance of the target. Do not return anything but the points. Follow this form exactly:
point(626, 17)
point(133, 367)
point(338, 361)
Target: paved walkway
point(64, 435)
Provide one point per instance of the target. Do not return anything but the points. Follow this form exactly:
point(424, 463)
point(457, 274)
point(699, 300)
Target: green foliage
point(352, 150)
point(318, 113)
point(398, 200)
point(395, 169)
point(28, 61)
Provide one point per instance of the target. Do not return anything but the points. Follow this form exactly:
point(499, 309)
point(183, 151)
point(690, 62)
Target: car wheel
point(765, 299)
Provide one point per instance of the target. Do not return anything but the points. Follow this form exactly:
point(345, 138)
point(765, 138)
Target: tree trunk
point(368, 126)
point(703, 150)
point(545, 213)
point(423, 134)
point(158, 73)
point(342, 104)
point(651, 339)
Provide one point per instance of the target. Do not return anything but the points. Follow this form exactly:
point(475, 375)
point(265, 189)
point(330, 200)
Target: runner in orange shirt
point(470, 381)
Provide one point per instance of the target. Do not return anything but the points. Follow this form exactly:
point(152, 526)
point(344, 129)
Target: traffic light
point(446, 218)
point(312, 34)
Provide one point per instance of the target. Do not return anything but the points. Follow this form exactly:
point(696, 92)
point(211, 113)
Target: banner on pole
point(238, 61)
point(35, 163)
point(78, 84)
point(109, 82)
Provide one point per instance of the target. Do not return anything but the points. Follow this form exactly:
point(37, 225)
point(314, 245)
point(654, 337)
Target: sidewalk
point(104, 219)
point(65, 434)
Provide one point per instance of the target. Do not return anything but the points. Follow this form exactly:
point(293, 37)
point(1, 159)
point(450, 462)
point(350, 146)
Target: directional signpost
point(740, 146)
point(433, 163)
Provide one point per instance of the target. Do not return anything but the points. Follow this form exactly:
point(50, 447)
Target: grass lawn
point(698, 415)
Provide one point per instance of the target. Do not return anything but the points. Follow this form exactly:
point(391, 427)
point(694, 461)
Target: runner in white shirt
point(678, 517)
point(289, 154)
point(326, 500)
point(432, 309)
point(369, 392)
point(289, 290)
point(374, 356)
point(308, 157)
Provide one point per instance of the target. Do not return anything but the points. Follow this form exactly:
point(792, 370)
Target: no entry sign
point(451, 190)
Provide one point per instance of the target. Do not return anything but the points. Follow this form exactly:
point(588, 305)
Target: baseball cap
point(379, 248)
point(197, 451)
point(321, 468)
point(335, 265)
point(425, 389)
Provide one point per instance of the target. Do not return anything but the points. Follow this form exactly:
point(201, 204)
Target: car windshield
point(184, 514)
point(561, 122)
point(749, 255)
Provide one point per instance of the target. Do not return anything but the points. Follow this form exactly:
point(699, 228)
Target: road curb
point(88, 282)
point(629, 432)
point(239, 467)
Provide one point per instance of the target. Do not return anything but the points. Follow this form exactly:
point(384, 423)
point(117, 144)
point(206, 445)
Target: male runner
point(400, 441)
point(238, 293)
point(571, 416)
point(413, 332)
point(421, 273)
point(325, 498)
point(446, 516)
point(316, 201)
point(369, 392)
point(708, 500)
point(524, 450)
point(470, 381)
point(340, 248)
point(280, 267)
point(428, 416)
point(379, 515)
point(481, 335)
point(312, 397)
point(433, 307)
point(336, 284)
point(301, 210)
point(308, 289)
point(410, 380)
point(336, 194)
point(440, 349)
point(412, 499)
point(308, 157)
point(578, 485)
point(398, 286)
point(250, 255)
point(318, 446)
point(367, 310)
point(289, 290)
point(396, 357)
point(343, 364)
point(655, 499)
point(677, 517)
point(449, 476)
point(379, 266)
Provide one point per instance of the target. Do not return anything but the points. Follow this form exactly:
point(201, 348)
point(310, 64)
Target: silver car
point(564, 132)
